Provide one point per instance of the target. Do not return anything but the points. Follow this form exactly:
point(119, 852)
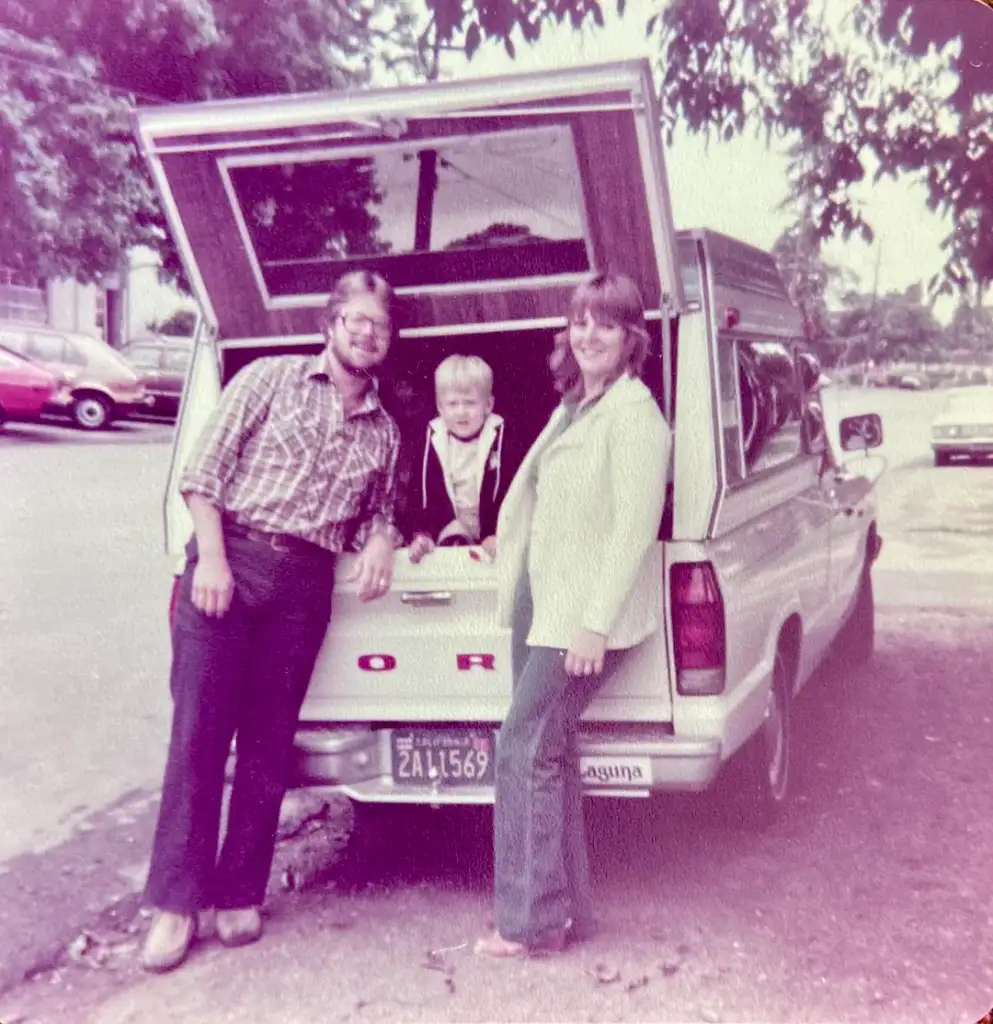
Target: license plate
point(451, 757)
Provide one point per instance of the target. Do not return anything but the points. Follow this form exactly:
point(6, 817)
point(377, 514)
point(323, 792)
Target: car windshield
point(978, 403)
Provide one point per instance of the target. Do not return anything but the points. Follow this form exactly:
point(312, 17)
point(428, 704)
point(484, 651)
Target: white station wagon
point(484, 203)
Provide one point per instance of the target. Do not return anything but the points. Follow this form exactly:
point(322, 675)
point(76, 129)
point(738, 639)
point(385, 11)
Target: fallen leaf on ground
point(604, 974)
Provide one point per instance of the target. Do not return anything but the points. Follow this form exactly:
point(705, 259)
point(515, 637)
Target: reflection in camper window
point(771, 405)
point(473, 208)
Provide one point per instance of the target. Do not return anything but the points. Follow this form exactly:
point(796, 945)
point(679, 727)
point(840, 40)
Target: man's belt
point(285, 542)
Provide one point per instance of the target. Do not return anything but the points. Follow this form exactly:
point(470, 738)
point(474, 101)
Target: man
point(297, 462)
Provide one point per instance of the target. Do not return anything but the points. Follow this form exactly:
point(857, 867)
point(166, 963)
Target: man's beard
point(343, 357)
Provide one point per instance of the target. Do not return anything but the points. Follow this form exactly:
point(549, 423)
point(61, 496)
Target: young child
point(461, 480)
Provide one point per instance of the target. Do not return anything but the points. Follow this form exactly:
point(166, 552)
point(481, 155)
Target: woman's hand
point(420, 546)
point(586, 654)
point(489, 545)
point(213, 585)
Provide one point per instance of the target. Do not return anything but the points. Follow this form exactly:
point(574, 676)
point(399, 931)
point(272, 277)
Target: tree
point(971, 330)
point(890, 328)
point(809, 278)
point(181, 324)
point(74, 194)
point(873, 103)
point(906, 90)
point(498, 233)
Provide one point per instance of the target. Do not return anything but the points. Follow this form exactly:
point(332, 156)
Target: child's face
point(464, 411)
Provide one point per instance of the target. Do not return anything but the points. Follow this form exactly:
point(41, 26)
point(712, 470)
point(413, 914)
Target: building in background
point(119, 309)
point(21, 298)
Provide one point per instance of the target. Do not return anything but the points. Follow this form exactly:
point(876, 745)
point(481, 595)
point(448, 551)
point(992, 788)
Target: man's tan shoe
point(168, 941)
point(239, 927)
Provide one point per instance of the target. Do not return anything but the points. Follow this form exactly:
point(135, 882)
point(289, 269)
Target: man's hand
point(374, 568)
point(489, 545)
point(420, 546)
point(586, 654)
point(213, 585)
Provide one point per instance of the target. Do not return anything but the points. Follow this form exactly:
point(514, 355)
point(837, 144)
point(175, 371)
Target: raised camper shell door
point(482, 202)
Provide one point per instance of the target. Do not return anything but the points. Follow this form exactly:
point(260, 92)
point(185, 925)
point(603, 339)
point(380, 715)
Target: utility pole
point(874, 309)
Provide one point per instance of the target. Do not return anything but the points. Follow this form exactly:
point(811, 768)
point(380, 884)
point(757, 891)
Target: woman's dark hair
point(611, 299)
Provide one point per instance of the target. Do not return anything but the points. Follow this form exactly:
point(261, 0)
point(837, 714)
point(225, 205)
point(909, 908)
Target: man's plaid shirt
point(279, 455)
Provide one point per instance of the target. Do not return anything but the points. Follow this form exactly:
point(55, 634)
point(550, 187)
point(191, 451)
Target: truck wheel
point(92, 412)
point(761, 776)
point(858, 636)
point(942, 459)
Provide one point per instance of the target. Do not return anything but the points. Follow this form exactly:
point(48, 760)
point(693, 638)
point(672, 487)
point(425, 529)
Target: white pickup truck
point(484, 203)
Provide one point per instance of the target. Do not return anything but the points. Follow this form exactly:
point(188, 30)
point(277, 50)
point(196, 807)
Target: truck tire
point(858, 636)
point(761, 773)
point(942, 459)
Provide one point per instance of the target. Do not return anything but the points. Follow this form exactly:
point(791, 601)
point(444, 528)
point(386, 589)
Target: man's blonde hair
point(463, 373)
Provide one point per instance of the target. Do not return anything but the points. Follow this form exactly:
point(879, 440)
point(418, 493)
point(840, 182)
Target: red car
point(25, 388)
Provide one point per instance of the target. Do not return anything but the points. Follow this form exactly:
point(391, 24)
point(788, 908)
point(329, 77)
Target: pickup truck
point(484, 203)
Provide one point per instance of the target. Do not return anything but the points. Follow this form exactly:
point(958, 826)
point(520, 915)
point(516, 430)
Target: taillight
point(697, 628)
point(174, 599)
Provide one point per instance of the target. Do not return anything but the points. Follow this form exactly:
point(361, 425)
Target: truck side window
point(734, 465)
point(771, 405)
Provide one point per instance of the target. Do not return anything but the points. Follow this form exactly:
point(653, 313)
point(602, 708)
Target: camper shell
point(484, 203)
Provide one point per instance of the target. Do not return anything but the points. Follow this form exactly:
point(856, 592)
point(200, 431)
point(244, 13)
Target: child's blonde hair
point(463, 373)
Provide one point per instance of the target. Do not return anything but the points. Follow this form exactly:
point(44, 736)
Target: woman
point(573, 539)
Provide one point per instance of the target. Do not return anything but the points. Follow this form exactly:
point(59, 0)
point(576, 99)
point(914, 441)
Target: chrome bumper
point(961, 446)
point(357, 764)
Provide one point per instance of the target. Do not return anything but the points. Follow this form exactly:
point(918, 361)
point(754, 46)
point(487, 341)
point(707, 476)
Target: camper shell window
point(488, 207)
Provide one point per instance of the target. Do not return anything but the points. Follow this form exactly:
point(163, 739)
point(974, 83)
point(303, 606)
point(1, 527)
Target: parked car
point(160, 360)
point(27, 389)
point(104, 387)
point(964, 427)
point(768, 539)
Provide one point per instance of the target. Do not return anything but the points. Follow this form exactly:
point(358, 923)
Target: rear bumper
point(357, 764)
point(961, 446)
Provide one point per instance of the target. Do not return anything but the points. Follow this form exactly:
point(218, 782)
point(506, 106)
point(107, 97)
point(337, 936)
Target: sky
point(736, 186)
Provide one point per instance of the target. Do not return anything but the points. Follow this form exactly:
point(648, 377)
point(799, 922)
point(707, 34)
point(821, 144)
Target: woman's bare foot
point(495, 945)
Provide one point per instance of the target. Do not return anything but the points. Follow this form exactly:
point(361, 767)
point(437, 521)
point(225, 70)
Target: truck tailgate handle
point(425, 598)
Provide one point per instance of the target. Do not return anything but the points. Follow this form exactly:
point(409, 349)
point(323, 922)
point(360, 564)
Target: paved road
point(869, 901)
point(83, 598)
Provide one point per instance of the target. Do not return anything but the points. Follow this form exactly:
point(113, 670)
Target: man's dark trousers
point(245, 672)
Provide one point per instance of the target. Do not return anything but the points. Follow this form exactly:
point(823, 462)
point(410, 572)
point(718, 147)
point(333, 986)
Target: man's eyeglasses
point(357, 323)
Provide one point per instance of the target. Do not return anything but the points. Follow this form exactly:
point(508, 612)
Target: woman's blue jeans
point(542, 884)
